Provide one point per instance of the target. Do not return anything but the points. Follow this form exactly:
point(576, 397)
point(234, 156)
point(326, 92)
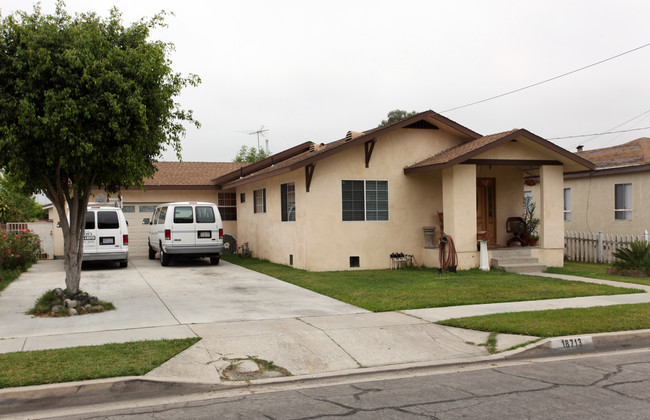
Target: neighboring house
point(174, 181)
point(616, 196)
point(353, 202)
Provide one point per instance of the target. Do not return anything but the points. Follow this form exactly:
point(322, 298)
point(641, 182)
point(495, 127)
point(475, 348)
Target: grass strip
point(391, 290)
point(88, 362)
point(595, 271)
point(559, 322)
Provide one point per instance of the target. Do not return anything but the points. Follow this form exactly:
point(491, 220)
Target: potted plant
point(530, 221)
point(534, 239)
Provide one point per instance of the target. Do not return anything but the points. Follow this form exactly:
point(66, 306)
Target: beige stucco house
point(616, 196)
point(351, 203)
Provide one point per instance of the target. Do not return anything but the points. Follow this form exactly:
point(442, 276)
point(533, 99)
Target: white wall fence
point(596, 247)
point(43, 228)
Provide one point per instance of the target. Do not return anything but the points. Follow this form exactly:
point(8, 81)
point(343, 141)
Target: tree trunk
point(73, 225)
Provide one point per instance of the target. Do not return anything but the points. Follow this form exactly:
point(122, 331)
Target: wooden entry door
point(486, 215)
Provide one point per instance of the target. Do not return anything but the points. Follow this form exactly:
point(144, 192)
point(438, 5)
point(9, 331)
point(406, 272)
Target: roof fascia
point(608, 171)
point(373, 134)
point(254, 178)
point(262, 164)
point(512, 136)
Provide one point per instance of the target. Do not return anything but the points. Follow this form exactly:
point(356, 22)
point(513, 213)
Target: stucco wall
point(592, 204)
point(319, 240)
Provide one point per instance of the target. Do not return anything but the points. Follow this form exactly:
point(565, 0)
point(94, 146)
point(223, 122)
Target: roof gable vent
point(352, 135)
point(422, 124)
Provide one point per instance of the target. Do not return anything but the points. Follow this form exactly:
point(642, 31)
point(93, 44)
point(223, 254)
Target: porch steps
point(516, 260)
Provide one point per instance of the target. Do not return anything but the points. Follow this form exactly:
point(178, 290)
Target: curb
point(124, 389)
point(580, 344)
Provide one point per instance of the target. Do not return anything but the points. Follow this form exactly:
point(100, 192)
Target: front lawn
point(559, 322)
point(90, 362)
point(391, 290)
point(595, 271)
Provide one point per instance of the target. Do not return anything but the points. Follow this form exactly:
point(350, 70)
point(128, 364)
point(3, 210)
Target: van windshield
point(183, 215)
point(107, 220)
point(204, 214)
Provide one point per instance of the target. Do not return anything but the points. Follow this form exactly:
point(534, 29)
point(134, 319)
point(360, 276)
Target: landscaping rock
point(68, 303)
point(72, 311)
point(56, 309)
point(58, 292)
point(97, 308)
point(93, 300)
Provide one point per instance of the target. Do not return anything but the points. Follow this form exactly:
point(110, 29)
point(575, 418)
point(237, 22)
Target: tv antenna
point(259, 133)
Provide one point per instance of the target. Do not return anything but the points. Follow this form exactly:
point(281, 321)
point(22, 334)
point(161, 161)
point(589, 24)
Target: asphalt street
point(611, 386)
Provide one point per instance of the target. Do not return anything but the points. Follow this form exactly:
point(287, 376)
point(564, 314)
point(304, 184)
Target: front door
point(486, 207)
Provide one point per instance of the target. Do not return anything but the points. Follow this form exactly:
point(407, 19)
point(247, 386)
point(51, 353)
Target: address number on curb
point(572, 343)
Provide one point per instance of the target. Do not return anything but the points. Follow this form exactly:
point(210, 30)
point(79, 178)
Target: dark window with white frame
point(364, 200)
point(288, 200)
point(623, 201)
point(567, 204)
point(259, 201)
point(227, 204)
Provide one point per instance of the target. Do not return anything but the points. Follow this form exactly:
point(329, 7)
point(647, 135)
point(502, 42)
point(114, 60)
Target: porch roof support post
point(551, 207)
point(459, 207)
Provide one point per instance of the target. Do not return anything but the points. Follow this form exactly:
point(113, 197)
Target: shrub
point(636, 257)
point(18, 249)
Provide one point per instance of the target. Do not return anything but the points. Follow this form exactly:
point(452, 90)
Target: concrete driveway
point(152, 302)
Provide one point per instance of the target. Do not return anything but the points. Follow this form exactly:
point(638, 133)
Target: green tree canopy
point(396, 115)
point(15, 204)
point(85, 102)
point(250, 155)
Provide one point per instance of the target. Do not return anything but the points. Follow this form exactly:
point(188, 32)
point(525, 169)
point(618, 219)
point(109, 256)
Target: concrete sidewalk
point(243, 315)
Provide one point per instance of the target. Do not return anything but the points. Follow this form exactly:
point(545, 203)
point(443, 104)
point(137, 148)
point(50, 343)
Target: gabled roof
point(463, 153)
point(635, 152)
point(188, 173)
point(278, 164)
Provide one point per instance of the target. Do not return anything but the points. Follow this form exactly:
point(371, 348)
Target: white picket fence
point(596, 247)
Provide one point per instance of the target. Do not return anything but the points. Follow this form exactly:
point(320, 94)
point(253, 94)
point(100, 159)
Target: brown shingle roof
point(635, 152)
point(190, 173)
point(465, 151)
point(451, 156)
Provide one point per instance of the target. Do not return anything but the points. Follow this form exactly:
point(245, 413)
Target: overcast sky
point(311, 71)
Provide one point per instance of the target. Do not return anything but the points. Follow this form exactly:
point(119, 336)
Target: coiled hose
point(449, 261)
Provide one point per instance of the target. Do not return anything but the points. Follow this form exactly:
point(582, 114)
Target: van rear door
point(108, 231)
point(182, 231)
point(207, 231)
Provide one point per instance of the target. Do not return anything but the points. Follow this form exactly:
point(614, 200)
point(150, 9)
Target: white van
point(106, 237)
point(189, 229)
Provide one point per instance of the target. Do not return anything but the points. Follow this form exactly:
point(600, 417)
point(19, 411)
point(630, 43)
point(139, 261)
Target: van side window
point(90, 220)
point(204, 214)
point(154, 218)
point(183, 215)
point(107, 220)
point(161, 215)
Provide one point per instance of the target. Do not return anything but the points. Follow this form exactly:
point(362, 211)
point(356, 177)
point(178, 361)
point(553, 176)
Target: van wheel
point(164, 258)
point(124, 264)
point(152, 253)
point(214, 260)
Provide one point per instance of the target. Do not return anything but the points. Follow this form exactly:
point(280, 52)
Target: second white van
point(106, 237)
point(189, 229)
